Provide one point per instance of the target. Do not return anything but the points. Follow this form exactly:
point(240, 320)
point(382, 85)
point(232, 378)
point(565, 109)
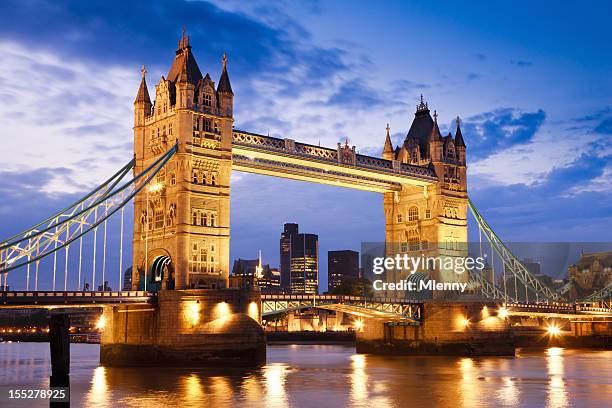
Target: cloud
point(491, 132)
point(355, 94)
point(521, 63)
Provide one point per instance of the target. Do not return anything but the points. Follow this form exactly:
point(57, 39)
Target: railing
point(288, 146)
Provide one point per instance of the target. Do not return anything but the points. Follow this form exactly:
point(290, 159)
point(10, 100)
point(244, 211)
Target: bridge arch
point(160, 271)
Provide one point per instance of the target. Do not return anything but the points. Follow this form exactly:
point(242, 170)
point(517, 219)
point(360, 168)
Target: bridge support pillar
point(451, 328)
point(187, 328)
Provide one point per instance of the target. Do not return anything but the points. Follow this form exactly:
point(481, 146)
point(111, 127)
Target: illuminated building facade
point(305, 263)
point(341, 265)
point(290, 230)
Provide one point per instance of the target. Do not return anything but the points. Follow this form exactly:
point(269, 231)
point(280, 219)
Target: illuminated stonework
point(432, 219)
point(187, 216)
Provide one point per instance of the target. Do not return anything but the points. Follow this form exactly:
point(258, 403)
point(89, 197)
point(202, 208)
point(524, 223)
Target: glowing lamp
point(101, 324)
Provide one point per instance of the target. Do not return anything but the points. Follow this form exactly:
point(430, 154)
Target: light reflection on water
point(323, 376)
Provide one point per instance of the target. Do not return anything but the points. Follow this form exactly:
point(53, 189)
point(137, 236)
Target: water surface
point(328, 376)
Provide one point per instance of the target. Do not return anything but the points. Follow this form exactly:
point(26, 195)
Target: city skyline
point(542, 147)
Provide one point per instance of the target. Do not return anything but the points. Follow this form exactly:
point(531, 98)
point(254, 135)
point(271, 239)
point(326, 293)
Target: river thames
point(327, 376)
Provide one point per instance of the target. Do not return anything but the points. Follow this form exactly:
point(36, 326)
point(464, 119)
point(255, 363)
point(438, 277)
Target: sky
point(530, 81)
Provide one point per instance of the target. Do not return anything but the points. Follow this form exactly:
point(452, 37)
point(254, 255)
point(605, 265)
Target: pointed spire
point(224, 82)
point(435, 130)
point(184, 41)
point(388, 145)
point(458, 136)
point(422, 106)
point(143, 92)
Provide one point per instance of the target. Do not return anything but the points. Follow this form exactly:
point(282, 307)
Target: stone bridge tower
point(429, 220)
point(182, 219)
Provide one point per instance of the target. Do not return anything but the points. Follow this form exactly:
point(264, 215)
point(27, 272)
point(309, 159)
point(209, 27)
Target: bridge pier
point(450, 328)
point(187, 328)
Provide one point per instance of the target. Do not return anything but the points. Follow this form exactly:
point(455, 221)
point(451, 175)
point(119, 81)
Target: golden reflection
point(557, 394)
point(99, 393)
point(222, 391)
point(194, 390)
point(469, 382)
point(508, 393)
point(359, 380)
point(275, 377)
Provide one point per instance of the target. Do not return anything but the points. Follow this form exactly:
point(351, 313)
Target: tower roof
point(224, 82)
point(143, 92)
point(421, 127)
point(184, 67)
point(458, 136)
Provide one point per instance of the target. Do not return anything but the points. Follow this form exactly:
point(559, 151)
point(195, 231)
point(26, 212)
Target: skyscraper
point(289, 231)
point(299, 255)
point(341, 265)
point(305, 263)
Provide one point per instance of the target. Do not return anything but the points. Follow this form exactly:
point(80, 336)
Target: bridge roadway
point(404, 311)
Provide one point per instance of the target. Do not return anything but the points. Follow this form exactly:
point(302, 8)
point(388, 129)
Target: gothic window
point(169, 128)
point(428, 213)
point(159, 217)
point(207, 99)
point(213, 220)
point(399, 217)
point(194, 176)
point(413, 240)
point(204, 181)
point(213, 179)
point(172, 179)
point(171, 214)
point(203, 255)
point(204, 219)
point(207, 126)
point(194, 214)
point(165, 108)
point(413, 213)
point(212, 247)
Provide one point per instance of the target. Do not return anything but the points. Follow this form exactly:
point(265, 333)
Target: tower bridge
point(185, 148)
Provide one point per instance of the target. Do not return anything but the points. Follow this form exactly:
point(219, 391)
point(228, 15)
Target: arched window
point(213, 220)
point(195, 217)
point(204, 179)
point(204, 219)
point(213, 179)
point(194, 175)
point(413, 213)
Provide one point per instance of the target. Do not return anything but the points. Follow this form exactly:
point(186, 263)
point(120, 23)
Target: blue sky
point(530, 80)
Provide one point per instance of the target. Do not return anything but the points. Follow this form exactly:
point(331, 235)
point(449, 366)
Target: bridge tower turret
point(181, 220)
point(430, 220)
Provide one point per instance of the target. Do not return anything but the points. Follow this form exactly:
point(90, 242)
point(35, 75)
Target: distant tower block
point(182, 221)
point(429, 220)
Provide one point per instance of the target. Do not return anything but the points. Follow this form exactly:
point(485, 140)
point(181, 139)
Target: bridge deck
point(49, 299)
point(299, 161)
